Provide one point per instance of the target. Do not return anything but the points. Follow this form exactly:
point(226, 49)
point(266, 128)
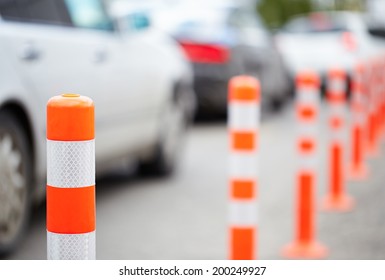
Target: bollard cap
point(244, 88)
point(307, 78)
point(336, 73)
point(70, 117)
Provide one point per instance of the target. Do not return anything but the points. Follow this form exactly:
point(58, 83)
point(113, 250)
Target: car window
point(36, 11)
point(89, 14)
point(243, 18)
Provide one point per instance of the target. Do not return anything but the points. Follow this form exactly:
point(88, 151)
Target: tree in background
point(276, 12)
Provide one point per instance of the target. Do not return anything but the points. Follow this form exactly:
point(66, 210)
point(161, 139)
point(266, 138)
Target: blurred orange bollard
point(307, 106)
point(70, 178)
point(243, 124)
point(358, 168)
point(372, 126)
point(377, 102)
point(382, 99)
point(337, 199)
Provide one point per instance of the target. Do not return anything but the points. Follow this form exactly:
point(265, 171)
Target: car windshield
point(316, 23)
point(189, 18)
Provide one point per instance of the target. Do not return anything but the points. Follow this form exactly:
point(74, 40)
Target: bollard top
point(70, 95)
point(307, 78)
point(244, 88)
point(70, 117)
point(336, 73)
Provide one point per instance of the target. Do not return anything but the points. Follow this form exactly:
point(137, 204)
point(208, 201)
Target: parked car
point(322, 40)
point(221, 39)
point(139, 83)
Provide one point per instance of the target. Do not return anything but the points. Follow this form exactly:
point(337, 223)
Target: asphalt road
point(185, 216)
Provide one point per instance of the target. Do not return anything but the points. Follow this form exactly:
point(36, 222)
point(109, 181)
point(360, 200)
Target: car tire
point(173, 126)
point(276, 104)
point(15, 181)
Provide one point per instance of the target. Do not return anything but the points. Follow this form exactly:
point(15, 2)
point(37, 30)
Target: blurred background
point(158, 72)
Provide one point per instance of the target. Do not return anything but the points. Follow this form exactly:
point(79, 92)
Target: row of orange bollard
point(71, 160)
point(366, 128)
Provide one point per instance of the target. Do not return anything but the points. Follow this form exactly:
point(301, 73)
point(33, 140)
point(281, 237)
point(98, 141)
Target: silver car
point(321, 40)
point(140, 82)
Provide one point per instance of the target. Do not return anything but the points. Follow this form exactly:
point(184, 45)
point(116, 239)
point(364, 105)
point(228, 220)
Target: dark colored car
point(222, 41)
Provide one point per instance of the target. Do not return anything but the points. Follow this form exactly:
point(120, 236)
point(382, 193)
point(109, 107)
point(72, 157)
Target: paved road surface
point(185, 217)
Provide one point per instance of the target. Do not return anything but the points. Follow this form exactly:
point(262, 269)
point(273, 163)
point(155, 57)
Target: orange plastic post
point(243, 123)
point(71, 206)
point(382, 98)
point(337, 199)
point(308, 98)
point(358, 168)
point(372, 143)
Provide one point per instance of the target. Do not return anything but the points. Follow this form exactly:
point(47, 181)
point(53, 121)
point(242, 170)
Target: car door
point(124, 82)
point(56, 52)
point(128, 88)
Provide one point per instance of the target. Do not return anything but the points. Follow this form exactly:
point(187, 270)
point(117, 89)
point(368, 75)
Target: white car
point(140, 82)
point(321, 40)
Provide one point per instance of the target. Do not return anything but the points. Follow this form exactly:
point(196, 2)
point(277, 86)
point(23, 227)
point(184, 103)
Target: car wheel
point(173, 125)
point(276, 104)
point(15, 182)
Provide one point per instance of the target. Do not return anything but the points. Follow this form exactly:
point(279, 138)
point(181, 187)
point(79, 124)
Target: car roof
point(325, 22)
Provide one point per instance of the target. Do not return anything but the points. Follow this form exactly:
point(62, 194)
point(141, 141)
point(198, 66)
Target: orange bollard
point(70, 178)
point(358, 168)
point(377, 102)
point(337, 199)
point(307, 103)
point(382, 99)
point(243, 122)
point(372, 144)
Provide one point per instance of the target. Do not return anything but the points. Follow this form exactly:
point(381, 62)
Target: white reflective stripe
point(359, 117)
point(308, 97)
point(338, 135)
point(308, 161)
point(308, 130)
point(337, 113)
point(243, 213)
point(338, 110)
point(243, 165)
point(70, 164)
point(338, 86)
point(244, 115)
point(71, 246)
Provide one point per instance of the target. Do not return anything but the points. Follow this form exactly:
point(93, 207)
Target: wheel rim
point(13, 189)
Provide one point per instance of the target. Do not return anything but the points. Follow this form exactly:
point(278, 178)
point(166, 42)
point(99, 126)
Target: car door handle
point(30, 52)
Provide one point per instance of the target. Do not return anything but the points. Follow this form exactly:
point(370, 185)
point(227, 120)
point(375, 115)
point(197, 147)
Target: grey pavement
point(185, 216)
